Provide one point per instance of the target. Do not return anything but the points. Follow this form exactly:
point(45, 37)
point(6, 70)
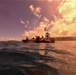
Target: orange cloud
point(36, 11)
point(26, 23)
point(64, 25)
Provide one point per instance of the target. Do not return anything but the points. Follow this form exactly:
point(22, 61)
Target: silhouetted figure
point(47, 35)
point(27, 38)
point(33, 38)
point(42, 37)
point(37, 38)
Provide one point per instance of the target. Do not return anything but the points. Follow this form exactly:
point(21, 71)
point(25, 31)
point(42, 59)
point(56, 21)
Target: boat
point(52, 40)
point(39, 41)
point(27, 41)
point(47, 39)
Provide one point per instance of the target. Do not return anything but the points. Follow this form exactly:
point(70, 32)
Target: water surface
point(17, 58)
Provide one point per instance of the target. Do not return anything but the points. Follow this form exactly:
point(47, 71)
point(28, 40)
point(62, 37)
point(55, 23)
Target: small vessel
point(47, 39)
point(52, 40)
point(27, 41)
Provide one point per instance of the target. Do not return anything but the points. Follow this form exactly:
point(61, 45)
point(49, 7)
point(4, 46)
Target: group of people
point(37, 38)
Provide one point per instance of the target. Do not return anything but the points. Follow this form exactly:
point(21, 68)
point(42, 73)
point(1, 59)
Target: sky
point(20, 18)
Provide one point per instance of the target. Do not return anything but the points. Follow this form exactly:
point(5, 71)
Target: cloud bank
point(64, 24)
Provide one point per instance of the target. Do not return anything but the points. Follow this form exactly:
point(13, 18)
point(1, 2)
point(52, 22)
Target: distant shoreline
point(65, 38)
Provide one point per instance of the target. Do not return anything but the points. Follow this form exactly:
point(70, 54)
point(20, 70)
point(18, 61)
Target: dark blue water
point(17, 58)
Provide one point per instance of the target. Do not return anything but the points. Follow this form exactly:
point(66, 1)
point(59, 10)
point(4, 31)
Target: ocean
point(18, 58)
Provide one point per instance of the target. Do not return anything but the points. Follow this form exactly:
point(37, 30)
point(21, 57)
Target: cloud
point(63, 25)
point(66, 25)
point(68, 10)
point(22, 22)
point(37, 31)
point(26, 23)
point(31, 8)
point(49, 0)
point(36, 11)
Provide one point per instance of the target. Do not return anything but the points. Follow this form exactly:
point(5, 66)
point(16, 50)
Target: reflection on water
point(38, 59)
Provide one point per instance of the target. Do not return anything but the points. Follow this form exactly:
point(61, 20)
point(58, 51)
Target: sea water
point(18, 58)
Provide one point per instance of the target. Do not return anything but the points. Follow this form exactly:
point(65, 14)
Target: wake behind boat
point(38, 39)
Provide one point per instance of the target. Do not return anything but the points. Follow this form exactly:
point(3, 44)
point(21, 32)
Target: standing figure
point(47, 35)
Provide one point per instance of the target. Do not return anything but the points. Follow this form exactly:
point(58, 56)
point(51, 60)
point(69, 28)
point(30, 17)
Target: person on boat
point(27, 38)
point(37, 38)
point(42, 38)
point(47, 35)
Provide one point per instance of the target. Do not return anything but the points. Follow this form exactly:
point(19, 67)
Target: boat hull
point(52, 40)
